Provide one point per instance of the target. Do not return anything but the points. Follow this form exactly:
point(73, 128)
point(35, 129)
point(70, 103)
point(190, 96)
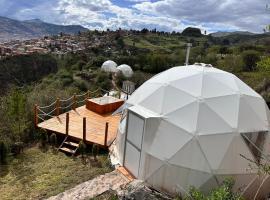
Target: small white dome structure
point(189, 126)
point(109, 66)
point(126, 70)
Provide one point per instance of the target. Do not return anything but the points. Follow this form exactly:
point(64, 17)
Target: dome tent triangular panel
point(176, 137)
point(229, 109)
point(209, 122)
point(245, 89)
point(157, 96)
point(175, 99)
point(191, 156)
point(220, 143)
point(253, 122)
point(191, 85)
point(196, 130)
point(138, 97)
point(189, 122)
point(233, 162)
point(260, 107)
point(212, 87)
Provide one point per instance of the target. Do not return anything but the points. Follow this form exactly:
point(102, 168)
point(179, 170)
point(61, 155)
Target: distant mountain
point(223, 34)
point(11, 29)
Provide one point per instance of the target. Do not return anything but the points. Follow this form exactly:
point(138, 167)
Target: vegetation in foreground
point(36, 174)
point(223, 192)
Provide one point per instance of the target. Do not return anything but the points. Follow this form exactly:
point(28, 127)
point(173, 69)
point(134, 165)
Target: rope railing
point(65, 100)
point(63, 105)
point(44, 107)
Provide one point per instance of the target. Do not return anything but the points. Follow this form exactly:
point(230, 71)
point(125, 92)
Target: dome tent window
point(191, 120)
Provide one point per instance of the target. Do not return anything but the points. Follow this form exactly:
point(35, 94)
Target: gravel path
point(89, 189)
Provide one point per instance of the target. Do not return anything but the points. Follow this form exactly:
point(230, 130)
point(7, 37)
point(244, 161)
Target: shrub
point(224, 192)
point(81, 85)
point(3, 152)
point(95, 151)
point(250, 58)
point(103, 80)
point(17, 148)
point(53, 140)
point(264, 65)
point(82, 148)
point(231, 63)
point(43, 138)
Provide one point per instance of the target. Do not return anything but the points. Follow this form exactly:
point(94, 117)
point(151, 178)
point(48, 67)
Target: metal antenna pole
point(189, 45)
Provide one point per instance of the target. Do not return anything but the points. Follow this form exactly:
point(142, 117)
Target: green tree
point(250, 59)
point(16, 113)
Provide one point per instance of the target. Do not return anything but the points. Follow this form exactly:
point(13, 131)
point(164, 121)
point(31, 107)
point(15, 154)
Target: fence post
point(57, 107)
point(106, 134)
point(119, 95)
point(84, 129)
point(74, 105)
point(67, 123)
point(36, 115)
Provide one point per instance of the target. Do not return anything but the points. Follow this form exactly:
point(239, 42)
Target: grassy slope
point(35, 174)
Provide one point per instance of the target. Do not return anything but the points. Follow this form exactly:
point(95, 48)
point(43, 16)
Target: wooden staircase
point(69, 147)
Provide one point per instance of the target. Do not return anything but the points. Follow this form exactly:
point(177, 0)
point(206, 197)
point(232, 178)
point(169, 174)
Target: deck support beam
point(67, 123)
point(106, 134)
point(84, 129)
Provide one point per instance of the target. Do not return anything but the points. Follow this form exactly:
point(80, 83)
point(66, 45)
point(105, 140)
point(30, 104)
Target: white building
point(192, 126)
point(109, 66)
point(126, 70)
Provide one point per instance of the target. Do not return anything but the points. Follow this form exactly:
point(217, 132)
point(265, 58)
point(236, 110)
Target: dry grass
point(37, 175)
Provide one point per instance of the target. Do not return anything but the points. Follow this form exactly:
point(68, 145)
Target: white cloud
point(168, 15)
point(102, 14)
point(237, 14)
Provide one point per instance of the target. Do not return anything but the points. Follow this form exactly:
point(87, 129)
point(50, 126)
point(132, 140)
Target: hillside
point(11, 29)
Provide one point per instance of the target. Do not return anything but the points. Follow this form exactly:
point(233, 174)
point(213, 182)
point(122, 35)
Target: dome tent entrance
point(189, 126)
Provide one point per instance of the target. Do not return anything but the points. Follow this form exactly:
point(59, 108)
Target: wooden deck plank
point(95, 125)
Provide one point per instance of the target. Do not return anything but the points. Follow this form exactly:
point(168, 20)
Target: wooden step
point(67, 150)
point(126, 173)
point(72, 144)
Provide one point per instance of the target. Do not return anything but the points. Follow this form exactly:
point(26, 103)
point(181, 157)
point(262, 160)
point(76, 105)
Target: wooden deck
point(95, 125)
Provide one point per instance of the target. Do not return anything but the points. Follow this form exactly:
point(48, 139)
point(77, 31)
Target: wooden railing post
point(36, 115)
point(57, 111)
point(106, 134)
point(88, 94)
point(67, 123)
point(119, 95)
point(74, 105)
point(84, 129)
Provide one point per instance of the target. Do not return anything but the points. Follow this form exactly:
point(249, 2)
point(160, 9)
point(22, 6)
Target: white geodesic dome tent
point(109, 66)
point(192, 126)
point(126, 70)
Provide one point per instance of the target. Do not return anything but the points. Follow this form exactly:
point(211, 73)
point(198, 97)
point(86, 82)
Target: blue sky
point(167, 15)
